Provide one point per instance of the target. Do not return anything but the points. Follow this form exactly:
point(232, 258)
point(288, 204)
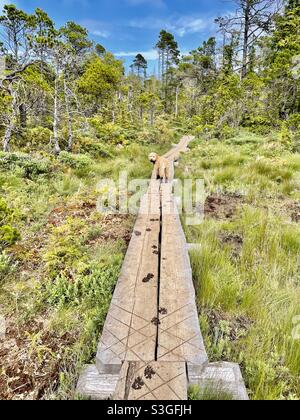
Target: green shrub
point(5, 265)
point(194, 144)
point(38, 137)
point(64, 252)
point(91, 288)
point(293, 122)
point(109, 132)
point(29, 165)
point(94, 148)
point(67, 184)
point(285, 135)
point(77, 162)
point(5, 212)
point(296, 143)
point(8, 234)
point(225, 132)
point(293, 127)
point(259, 124)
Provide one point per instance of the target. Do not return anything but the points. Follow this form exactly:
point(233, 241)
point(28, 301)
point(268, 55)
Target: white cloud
point(101, 34)
point(96, 28)
point(149, 55)
point(182, 26)
point(189, 25)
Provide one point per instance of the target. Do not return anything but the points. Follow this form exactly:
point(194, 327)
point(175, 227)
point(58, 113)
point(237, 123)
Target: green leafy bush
point(94, 148)
point(38, 137)
point(293, 122)
point(91, 288)
point(285, 135)
point(29, 166)
point(78, 162)
point(8, 234)
point(225, 132)
point(109, 132)
point(65, 253)
point(296, 143)
point(259, 124)
point(5, 265)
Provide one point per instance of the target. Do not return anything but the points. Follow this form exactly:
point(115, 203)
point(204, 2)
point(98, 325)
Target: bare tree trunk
point(163, 67)
point(23, 115)
point(159, 65)
point(176, 102)
point(114, 110)
point(151, 116)
point(246, 38)
point(129, 96)
point(7, 137)
point(69, 117)
point(56, 119)
point(12, 121)
point(141, 114)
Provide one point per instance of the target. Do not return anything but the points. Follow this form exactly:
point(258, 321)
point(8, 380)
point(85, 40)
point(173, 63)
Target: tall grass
point(248, 289)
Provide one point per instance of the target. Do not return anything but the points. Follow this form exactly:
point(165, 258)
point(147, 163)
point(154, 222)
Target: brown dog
point(162, 167)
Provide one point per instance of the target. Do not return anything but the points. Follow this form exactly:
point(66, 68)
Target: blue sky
point(127, 27)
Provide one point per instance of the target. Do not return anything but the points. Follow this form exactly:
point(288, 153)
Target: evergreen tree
point(168, 52)
point(100, 50)
point(140, 66)
point(168, 57)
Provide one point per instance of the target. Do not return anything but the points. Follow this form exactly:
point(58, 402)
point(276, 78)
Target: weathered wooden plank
point(141, 342)
point(179, 336)
point(181, 147)
point(152, 381)
point(95, 386)
point(129, 332)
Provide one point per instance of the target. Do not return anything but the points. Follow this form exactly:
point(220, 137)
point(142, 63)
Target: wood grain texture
point(129, 333)
point(152, 381)
point(179, 337)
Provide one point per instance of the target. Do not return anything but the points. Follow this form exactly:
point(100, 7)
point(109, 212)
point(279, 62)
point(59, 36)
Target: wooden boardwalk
point(151, 346)
point(152, 324)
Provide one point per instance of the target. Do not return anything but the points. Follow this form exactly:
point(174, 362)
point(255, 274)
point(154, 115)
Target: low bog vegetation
point(59, 263)
point(247, 270)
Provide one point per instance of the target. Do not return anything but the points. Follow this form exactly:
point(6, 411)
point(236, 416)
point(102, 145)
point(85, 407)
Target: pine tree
point(140, 66)
point(100, 50)
point(168, 52)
